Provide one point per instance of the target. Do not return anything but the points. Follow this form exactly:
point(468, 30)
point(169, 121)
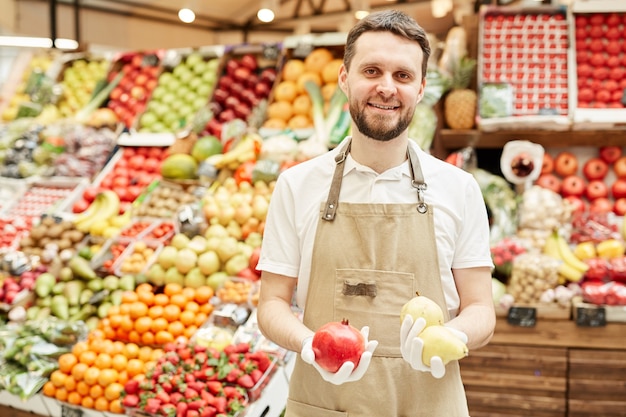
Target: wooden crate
point(596, 383)
point(516, 381)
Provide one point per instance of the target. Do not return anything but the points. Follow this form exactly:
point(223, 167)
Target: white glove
point(345, 373)
point(411, 346)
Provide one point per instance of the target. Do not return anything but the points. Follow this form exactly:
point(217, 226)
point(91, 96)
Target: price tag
point(150, 60)
point(271, 51)
point(548, 111)
point(67, 411)
point(590, 317)
point(303, 49)
point(522, 316)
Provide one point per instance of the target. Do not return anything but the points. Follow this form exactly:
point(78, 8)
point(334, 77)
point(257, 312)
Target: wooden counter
point(555, 369)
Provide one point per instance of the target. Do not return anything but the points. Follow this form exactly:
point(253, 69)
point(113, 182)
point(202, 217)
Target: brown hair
point(393, 21)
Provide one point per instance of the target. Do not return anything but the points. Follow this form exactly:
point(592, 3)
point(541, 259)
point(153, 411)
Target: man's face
point(384, 84)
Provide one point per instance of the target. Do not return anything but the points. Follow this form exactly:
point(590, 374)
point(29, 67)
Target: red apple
point(254, 259)
point(596, 189)
point(573, 185)
point(619, 166)
point(549, 181)
point(619, 206)
point(595, 169)
point(547, 166)
point(601, 205)
point(618, 189)
point(578, 204)
point(249, 61)
point(610, 154)
point(335, 343)
point(566, 164)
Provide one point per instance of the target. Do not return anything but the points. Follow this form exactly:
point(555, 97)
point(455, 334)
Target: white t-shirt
point(460, 216)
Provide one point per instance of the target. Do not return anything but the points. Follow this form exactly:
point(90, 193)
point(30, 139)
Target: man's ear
point(341, 80)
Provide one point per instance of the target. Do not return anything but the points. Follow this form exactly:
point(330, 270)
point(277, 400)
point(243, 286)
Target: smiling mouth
point(383, 107)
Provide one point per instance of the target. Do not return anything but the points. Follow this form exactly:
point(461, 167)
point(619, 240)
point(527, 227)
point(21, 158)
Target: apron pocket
point(374, 298)
point(298, 409)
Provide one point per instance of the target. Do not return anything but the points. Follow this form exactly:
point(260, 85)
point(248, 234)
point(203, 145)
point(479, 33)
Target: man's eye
point(370, 71)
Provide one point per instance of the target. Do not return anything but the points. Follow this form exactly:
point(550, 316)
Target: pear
point(439, 341)
point(421, 306)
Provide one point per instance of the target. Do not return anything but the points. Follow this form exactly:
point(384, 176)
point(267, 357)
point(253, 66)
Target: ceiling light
point(440, 8)
point(186, 15)
point(34, 42)
point(268, 10)
point(361, 8)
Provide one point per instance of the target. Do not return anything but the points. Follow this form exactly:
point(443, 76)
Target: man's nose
point(386, 85)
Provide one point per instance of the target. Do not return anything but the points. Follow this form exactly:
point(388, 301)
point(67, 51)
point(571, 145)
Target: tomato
point(152, 165)
point(156, 152)
point(136, 162)
point(244, 172)
point(120, 182)
point(80, 206)
point(128, 152)
point(120, 172)
point(90, 194)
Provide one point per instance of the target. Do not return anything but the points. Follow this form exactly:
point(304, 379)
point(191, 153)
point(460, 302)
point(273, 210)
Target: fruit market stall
point(134, 209)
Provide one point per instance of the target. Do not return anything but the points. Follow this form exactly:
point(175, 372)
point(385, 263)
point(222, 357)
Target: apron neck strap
point(418, 179)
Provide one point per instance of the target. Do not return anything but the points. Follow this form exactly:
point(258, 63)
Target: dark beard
point(376, 129)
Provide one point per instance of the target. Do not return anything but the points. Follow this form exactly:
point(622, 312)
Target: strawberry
point(208, 411)
point(130, 401)
point(176, 397)
point(196, 385)
point(131, 386)
point(234, 374)
point(163, 396)
point(199, 348)
point(181, 409)
point(152, 405)
point(220, 404)
point(195, 405)
point(256, 375)
point(167, 410)
point(233, 392)
point(191, 394)
point(245, 381)
point(193, 413)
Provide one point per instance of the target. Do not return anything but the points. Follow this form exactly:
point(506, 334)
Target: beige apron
point(369, 260)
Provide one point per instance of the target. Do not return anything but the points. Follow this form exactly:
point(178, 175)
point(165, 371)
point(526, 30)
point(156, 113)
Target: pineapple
point(460, 103)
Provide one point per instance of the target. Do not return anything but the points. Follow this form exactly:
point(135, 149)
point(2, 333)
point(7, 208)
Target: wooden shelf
point(455, 139)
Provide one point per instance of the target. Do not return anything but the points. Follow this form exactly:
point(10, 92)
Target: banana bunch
point(571, 268)
point(246, 149)
point(104, 206)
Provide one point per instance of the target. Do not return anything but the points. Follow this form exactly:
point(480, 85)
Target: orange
point(143, 287)
point(121, 334)
point(107, 376)
point(200, 318)
point(161, 300)
point(146, 297)
point(91, 375)
point(147, 338)
point(122, 377)
point(113, 391)
point(82, 388)
point(116, 407)
point(96, 391)
point(162, 337)
point(280, 110)
point(109, 332)
point(95, 334)
point(118, 347)
point(203, 294)
point(129, 297)
point(113, 311)
point(61, 394)
point(58, 378)
point(192, 306)
point(158, 324)
point(131, 350)
point(206, 308)
point(70, 383)
point(115, 320)
point(74, 398)
point(190, 331)
point(189, 293)
point(302, 105)
point(292, 69)
point(142, 324)
point(134, 336)
point(187, 318)
point(172, 288)
point(135, 367)
point(178, 300)
point(103, 361)
point(96, 345)
point(127, 323)
point(286, 90)
point(155, 311)
point(119, 362)
point(87, 402)
point(156, 354)
point(78, 371)
point(88, 357)
point(67, 362)
point(145, 353)
point(125, 308)
point(49, 389)
point(80, 347)
point(138, 309)
point(171, 312)
point(101, 404)
point(176, 328)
